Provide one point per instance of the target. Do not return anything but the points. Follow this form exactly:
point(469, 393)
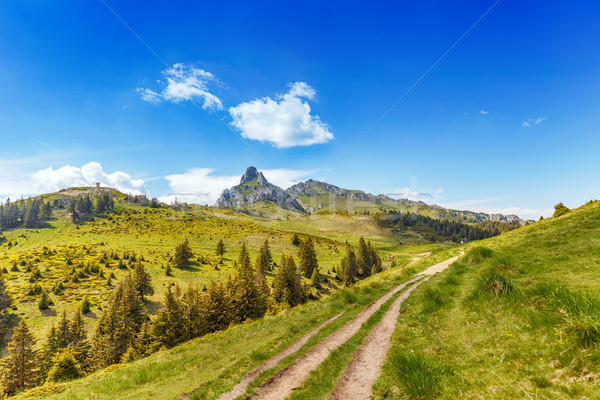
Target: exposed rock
point(254, 188)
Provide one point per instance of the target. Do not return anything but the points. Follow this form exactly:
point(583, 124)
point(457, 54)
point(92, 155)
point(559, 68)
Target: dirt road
point(283, 383)
point(364, 369)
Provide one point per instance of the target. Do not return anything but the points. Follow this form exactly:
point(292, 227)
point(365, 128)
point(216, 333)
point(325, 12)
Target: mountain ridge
point(312, 196)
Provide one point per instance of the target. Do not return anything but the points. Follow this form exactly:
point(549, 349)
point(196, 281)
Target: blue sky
point(507, 121)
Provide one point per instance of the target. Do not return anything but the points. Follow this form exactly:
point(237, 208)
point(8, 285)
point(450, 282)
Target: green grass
point(216, 362)
point(152, 234)
point(517, 317)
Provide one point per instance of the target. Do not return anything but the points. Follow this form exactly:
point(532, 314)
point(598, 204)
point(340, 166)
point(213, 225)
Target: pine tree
point(377, 265)
point(263, 260)
point(217, 307)
point(315, 278)
point(295, 239)
point(86, 305)
point(364, 262)
point(31, 215)
point(308, 258)
point(243, 253)
point(65, 367)
point(142, 281)
point(118, 326)
point(183, 254)
point(44, 302)
point(248, 300)
point(220, 249)
point(5, 304)
point(49, 350)
point(145, 342)
point(20, 367)
point(169, 326)
point(193, 313)
point(348, 266)
point(287, 285)
point(63, 331)
point(79, 344)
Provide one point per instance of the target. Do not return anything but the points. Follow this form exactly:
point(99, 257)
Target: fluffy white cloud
point(284, 178)
point(202, 186)
point(198, 185)
point(51, 180)
point(533, 121)
point(483, 112)
point(284, 122)
point(184, 83)
point(17, 178)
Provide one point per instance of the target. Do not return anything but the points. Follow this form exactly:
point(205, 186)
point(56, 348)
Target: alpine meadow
point(308, 201)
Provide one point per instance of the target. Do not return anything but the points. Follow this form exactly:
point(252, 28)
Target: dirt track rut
point(364, 369)
point(285, 381)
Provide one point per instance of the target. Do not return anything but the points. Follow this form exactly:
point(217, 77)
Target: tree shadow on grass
point(50, 312)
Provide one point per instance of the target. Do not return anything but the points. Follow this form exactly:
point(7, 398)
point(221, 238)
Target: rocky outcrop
point(254, 188)
point(509, 219)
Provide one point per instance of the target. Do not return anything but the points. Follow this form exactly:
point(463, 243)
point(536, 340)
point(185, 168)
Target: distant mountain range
point(311, 196)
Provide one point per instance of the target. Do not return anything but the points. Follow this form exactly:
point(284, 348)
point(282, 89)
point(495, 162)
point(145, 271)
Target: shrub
point(560, 209)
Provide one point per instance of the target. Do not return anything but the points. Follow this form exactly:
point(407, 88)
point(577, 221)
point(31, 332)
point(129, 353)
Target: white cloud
point(198, 185)
point(439, 190)
point(51, 180)
point(17, 179)
point(483, 112)
point(284, 122)
point(202, 186)
point(284, 178)
point(533, 122)
point(184, 82)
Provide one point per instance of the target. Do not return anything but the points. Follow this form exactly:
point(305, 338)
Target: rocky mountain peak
point(251, 174)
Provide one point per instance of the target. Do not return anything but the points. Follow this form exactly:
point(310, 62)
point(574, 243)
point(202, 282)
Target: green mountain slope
point(517, 317)
point(61, 250)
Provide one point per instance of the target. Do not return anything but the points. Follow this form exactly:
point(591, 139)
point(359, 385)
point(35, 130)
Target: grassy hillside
point(211, 365)
point(517, 317)
point(62, 249)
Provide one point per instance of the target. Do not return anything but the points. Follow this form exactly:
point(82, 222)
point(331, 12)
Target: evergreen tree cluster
point(361, 264)
point(443, 229)
point(82, 207)
point(67, 339)
point(30, 213)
